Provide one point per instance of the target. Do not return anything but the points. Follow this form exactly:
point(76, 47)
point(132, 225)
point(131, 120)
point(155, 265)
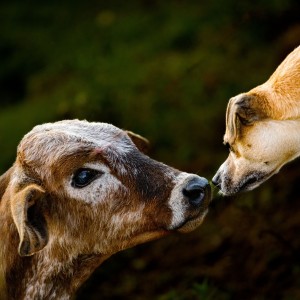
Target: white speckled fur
point(177, 203)
point(100, 189)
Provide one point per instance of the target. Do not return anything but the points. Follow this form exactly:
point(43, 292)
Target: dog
point(262, 130)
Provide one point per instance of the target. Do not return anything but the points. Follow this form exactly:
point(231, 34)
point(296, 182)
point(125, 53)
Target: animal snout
point(216, 179)
point(196, 190)
point(189, 202)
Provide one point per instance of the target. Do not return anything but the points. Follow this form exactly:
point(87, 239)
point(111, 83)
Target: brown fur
point(53, 235)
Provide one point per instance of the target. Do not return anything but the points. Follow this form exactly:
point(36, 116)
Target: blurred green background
point(164, 69)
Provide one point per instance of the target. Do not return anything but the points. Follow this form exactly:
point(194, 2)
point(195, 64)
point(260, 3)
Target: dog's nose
point(196, 190)
point(216, 179)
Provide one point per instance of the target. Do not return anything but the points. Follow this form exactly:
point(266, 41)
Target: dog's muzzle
point(228, 187)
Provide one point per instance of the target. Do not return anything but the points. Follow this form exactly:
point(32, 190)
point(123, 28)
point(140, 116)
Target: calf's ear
point(29, 220)
point(141, 143)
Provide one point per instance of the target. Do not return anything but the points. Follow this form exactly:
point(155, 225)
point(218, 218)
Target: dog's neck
point(289, 132)
point(49, 274)
point(297, 152)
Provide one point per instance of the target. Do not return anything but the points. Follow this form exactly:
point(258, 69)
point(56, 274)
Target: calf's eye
point(84, 177)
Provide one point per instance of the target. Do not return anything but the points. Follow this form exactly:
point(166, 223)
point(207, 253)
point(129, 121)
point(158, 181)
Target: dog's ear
point(141, 143)
point(243, 109)
point(31, 225)
point(249, 108)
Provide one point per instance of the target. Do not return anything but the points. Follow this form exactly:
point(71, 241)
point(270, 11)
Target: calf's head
point(86, 188)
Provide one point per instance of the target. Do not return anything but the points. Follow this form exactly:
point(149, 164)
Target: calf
point(79, 192)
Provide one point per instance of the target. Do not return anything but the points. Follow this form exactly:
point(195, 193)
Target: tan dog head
point(262, 130)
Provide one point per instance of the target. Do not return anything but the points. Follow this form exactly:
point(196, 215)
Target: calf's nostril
point(195, 191)
point(194, 194)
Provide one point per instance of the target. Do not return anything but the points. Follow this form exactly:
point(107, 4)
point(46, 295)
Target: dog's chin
point(192, 224)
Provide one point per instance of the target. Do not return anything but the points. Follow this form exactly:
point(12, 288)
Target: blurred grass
point(154, 68)
point(166, 70)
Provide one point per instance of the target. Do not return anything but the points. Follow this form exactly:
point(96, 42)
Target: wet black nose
point(216, 179)
point(196, 190)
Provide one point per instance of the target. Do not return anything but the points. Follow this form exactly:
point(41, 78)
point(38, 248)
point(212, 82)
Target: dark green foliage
point(164, 69)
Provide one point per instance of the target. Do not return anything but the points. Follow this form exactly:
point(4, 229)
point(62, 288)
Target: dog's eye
point(84, 177)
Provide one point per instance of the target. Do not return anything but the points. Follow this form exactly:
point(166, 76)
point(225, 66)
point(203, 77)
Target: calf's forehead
point(92, 132)
point(51, 141)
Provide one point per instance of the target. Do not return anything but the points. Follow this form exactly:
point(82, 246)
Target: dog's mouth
point(247, 183)
point(252, 181)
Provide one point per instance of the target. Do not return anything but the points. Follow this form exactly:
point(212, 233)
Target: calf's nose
point(196, 190)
